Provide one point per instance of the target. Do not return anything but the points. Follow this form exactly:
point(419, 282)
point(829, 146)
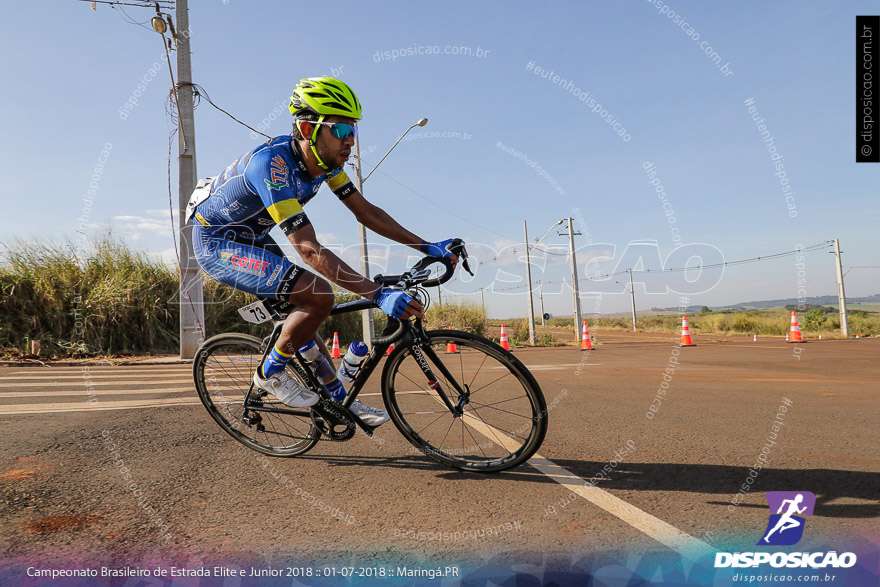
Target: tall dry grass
point(464, 315)
point(114, 299)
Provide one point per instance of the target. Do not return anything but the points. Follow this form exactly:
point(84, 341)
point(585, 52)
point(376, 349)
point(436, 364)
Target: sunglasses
point(340, 130)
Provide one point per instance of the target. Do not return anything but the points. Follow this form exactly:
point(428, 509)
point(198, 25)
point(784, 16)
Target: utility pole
point(541, 297)
point(529, 280)
point(574, 280)
point(482, 300)
point(632, 291)
point(841, 295)
point(192, 308)
point(367, 316)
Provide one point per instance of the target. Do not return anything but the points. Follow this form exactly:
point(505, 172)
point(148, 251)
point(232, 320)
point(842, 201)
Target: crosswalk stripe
point(87, 383)
point(98, 406)
point(24, 395)
point(93, 375)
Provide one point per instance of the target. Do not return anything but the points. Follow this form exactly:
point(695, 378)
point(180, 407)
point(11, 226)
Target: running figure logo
point(786, 526)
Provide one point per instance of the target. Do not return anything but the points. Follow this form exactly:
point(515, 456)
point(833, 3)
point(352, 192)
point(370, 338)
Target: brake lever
point(462, 252)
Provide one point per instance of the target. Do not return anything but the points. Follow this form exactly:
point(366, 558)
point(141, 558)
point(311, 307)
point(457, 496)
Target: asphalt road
point(670, 474)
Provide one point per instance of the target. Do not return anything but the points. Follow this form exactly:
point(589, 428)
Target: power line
point(162, 3)
point(126, 18)
point(430, 201)
point(822, 245)
point(818, 246)
point(199, 92)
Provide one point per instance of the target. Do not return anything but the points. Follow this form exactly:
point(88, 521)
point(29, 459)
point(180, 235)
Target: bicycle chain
point(339, 414)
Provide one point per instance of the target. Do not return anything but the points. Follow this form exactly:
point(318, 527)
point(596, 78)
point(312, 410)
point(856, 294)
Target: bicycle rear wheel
point(504, 418)
point(223, 370)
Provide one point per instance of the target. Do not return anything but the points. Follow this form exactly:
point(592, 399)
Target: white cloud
point(167, 256)
point(156, 222)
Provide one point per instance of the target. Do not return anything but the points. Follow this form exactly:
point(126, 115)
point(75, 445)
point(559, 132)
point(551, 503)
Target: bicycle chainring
point(333, 420)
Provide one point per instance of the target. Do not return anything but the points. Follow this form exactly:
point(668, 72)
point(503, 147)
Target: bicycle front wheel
point(223, 369)
point(504, 415)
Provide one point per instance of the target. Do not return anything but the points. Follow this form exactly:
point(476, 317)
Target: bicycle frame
point(412, 337)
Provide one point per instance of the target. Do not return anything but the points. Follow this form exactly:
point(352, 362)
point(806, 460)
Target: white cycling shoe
point(369, 416)
point(288, 391)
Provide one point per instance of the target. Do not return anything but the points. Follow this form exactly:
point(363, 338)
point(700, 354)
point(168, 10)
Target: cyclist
point(268, 186)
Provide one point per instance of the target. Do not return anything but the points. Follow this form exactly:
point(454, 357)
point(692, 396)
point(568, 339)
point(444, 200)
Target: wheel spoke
point(492, 406)
point(487, 441)
point(227, 363)
point(473, 391)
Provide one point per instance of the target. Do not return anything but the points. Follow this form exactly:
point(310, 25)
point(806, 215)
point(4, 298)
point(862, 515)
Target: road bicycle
point(476, 409)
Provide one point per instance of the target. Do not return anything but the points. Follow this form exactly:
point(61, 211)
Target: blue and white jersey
point(264, 187)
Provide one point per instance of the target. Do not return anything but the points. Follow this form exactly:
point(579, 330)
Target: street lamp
point(159, 25)
point(421, 122)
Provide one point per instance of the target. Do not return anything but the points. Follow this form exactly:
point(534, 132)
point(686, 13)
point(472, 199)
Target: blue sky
point(71, 70)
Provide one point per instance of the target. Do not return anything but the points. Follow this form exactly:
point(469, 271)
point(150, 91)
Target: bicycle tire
point(238, 379)
point(411, 408)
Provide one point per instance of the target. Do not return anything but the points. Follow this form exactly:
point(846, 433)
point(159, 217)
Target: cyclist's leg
point(261, 269)
point(270, 245)
point(313, 298)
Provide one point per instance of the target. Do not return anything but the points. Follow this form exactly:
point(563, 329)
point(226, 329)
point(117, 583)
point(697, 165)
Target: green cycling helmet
point(325, 96)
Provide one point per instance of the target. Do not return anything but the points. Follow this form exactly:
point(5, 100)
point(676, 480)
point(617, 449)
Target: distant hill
point(764, 304)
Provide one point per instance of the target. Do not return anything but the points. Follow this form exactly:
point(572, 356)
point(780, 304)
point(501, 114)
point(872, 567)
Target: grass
point(774, 322)
point(112, 299)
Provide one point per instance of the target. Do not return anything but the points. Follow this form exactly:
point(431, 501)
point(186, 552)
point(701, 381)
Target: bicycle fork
point(463, 394)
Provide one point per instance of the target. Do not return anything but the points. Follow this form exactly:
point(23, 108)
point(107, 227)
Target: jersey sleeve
point(269, 176)
point(341, 185)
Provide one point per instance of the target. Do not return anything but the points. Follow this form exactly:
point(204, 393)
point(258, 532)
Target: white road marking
point(93, 375)
point(667, 534)
point(24, 395)
point(87, 383)
point(558, 367)
point(87, 407)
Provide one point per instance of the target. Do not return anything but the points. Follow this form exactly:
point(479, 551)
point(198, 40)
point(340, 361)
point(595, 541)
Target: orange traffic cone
point(786, 338)
point(450, 346)
point(586, 341)
point(686, 333)
point(795, 331)
point(755, 339)
point(390, 348)
point(504, 343)
point(334, 352)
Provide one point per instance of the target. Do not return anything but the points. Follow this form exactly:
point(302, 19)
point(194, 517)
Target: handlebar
point(417, 276)
point(393, 336)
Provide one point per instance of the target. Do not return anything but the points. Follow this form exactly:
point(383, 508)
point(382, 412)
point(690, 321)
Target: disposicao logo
point(786, 526)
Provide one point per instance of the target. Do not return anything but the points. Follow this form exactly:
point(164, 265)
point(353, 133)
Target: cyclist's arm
point(325, 261)
point(379, 221)
point(374, 217)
